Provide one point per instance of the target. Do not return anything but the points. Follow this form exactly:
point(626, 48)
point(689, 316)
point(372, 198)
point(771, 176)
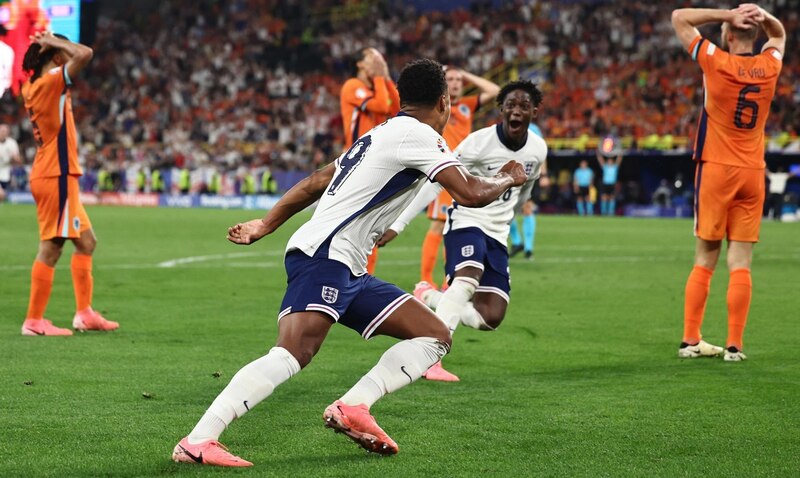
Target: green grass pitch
point(582, 379)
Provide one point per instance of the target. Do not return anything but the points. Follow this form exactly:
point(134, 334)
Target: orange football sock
point(430, 251)
point(41, 286)
point(740, 291)
point(372, 261)
point(694, 307)
point(82, 280)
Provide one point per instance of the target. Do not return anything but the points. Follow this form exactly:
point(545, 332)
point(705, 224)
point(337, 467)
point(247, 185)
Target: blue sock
point(590, 209)
point(529, 231)
point(612, 207)
point(581, 212)
point(515, 239)
point(603, 204)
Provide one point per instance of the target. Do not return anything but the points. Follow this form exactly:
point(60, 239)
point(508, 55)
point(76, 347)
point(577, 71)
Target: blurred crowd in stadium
point(242, 87)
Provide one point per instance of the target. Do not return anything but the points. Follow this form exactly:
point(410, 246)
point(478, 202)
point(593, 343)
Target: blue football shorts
point(324, 285)
point(470, 246)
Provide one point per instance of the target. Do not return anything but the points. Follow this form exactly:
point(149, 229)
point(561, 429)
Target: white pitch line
point(213, 257)
point(208, 261)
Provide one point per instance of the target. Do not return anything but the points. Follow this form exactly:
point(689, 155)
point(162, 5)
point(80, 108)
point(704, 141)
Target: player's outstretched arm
point(302, 195)
point(78, 55)
point(475, 191)
point(686, 20)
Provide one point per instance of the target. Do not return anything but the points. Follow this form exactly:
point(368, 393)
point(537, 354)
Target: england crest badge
point(329, 294)
point(528, 167)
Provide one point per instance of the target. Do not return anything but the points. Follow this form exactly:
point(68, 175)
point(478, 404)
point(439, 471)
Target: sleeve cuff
point(439, 167)
point(774, 53)
point(694, 47)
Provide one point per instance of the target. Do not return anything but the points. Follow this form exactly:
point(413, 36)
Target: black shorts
point(583, 191)
point(609, 189)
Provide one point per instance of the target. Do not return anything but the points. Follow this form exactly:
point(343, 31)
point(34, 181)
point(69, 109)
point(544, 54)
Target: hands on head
point(747, 16)
point(43, 38)
point(375, 64)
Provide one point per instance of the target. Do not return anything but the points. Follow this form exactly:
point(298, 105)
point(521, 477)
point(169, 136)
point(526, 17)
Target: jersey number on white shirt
point(349, 162)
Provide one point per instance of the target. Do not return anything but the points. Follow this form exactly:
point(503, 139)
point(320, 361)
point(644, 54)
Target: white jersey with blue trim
point(374, 181)
point(483, 153)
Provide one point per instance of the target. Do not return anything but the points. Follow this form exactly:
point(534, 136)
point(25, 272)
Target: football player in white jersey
point(475, 239)
point(359, 195)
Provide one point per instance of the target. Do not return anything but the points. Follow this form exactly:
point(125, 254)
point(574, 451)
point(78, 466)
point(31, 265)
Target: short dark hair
point(421, 83)
point(524, 85)
point(35, 60)
point(741, 34)
point(355, 58)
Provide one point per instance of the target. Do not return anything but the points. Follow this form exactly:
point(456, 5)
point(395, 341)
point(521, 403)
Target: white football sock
point(431, 298)
point(399, 366)
point(472, 318)
point(252, 384)
point(454, 299)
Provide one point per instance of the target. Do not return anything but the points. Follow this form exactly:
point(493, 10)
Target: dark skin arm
point(302, 195)
point(473, 191)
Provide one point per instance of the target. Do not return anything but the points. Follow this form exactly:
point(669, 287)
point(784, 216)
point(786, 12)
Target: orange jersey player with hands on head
point(462, 109)
point(53, 62)
point(367, 100)
point(729, 151)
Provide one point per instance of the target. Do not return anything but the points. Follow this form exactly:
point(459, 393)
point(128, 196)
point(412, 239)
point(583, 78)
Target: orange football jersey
point(49, 105)
point(364, 108)
point(460, 124)
point(738, 93)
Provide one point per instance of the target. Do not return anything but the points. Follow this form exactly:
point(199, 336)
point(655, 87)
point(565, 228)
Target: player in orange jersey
point(462, 108)
point(729, 150)
point(53, 62)
point(366, 101)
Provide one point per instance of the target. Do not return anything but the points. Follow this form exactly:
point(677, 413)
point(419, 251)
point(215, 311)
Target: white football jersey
point(483, 153)
point(373, 183)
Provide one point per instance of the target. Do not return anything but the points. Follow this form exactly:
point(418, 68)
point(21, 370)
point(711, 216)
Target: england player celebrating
point(475, 240)
point(359, 197)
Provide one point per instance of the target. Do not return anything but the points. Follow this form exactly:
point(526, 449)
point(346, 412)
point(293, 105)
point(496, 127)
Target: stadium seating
point(255, 84)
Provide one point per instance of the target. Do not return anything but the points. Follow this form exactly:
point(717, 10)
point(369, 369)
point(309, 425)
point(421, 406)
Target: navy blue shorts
point(361, 303)
point(471, 247)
